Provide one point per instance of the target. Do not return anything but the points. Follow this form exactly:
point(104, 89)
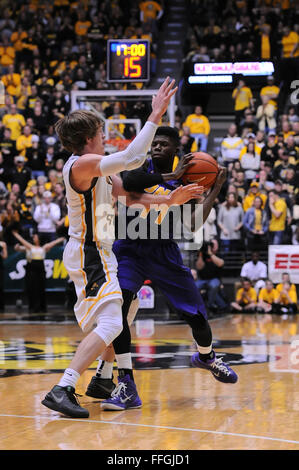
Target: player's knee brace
point(109, 321)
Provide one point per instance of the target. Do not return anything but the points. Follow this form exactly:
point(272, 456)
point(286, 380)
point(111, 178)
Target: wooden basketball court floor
point(183, 408)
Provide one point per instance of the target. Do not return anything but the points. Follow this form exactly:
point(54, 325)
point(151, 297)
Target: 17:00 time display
point(128, 60)
point(135, 50)
point(131, 69)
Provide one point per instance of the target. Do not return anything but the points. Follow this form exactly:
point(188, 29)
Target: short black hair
point(170, 132)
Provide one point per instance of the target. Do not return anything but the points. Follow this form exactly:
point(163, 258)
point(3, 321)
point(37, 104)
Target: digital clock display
point(128, 60)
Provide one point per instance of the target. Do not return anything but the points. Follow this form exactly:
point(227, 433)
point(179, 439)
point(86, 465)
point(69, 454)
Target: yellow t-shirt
point(278, 224)
point(150, 10)
point(265, 47)
point(279, 287)
point(12, 83)
point(15, 122)
point(242, 98)
point(268, 91)
point(23, 143)
point(7, 55)
point(119, 127)
point(267, 296)
point(293, 296)
point(251, 293)
point(288, 43)
point(17, 39)
point(81, 27)
point(198, 124)
point(248, 200)
point(258, 219)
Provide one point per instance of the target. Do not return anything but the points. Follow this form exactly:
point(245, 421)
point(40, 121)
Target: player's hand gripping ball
point(203, 170)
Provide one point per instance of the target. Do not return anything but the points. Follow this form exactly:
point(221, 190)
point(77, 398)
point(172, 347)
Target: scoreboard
point(128, 60)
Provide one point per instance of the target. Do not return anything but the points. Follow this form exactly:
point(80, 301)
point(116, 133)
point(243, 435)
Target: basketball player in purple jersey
point(160, 261)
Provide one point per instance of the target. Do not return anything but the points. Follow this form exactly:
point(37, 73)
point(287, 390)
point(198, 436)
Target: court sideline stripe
point(170, 428)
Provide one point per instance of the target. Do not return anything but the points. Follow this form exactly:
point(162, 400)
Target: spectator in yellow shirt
point(82, 25)
point(271, 90)
point(17, 38)
point(285, 278)
point(7, 55)
point(287, 299)
point(242, 95)
point(199, 126)
point(117, 115)
point(150, 11)
point(268, 297)
point(14, 121)
point(246, 298)
point(277, 224)
point(24, 141)
point(12, 81)
point(265, 42)
point(290, 43)
point(252, 194)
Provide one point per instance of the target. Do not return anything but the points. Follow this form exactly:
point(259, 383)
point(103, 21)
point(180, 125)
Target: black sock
point(207, 357)
point(123, 372)
point(98, 372)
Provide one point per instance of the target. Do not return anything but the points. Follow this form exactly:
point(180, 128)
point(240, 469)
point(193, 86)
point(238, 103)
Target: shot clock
point(128, 60)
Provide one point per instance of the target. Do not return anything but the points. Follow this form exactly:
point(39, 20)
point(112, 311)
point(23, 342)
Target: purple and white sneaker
point(123, 397)
point(219, 369)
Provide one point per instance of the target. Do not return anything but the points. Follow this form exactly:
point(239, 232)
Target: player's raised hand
point(161, 100)
point(183, 194)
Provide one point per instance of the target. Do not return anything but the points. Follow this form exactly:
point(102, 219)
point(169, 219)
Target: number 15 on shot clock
point(128, 60)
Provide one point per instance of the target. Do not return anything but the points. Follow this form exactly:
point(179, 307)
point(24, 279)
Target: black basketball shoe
point(63, 399)
point(100, 388)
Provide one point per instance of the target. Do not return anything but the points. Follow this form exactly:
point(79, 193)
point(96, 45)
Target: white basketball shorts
point(93, 269)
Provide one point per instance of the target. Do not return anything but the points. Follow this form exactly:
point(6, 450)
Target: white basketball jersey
point(91, 214)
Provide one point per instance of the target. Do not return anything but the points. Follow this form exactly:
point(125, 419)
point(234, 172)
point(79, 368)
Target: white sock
point(104, 369)
point(69, 378)
point(124, 361)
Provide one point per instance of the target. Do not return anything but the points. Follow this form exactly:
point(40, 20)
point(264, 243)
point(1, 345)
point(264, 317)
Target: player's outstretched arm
point(135, 154)
point(92, 165)
point(179, 196)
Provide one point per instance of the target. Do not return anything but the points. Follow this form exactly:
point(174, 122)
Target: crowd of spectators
point(49, 49)
point(233, 30)
point(259, 203)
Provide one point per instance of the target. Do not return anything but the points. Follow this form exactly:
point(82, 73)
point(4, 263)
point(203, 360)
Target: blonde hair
point(74, 129)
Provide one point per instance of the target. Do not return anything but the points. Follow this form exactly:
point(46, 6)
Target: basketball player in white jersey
point(90, 184)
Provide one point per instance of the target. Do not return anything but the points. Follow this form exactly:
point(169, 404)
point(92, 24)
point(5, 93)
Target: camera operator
point(208, 275)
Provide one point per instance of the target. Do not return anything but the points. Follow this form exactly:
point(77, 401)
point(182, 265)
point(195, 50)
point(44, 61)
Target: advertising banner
point(14, 271)
point(283, 259)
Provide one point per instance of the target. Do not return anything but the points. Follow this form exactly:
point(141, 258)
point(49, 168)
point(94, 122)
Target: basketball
point(204, 170)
